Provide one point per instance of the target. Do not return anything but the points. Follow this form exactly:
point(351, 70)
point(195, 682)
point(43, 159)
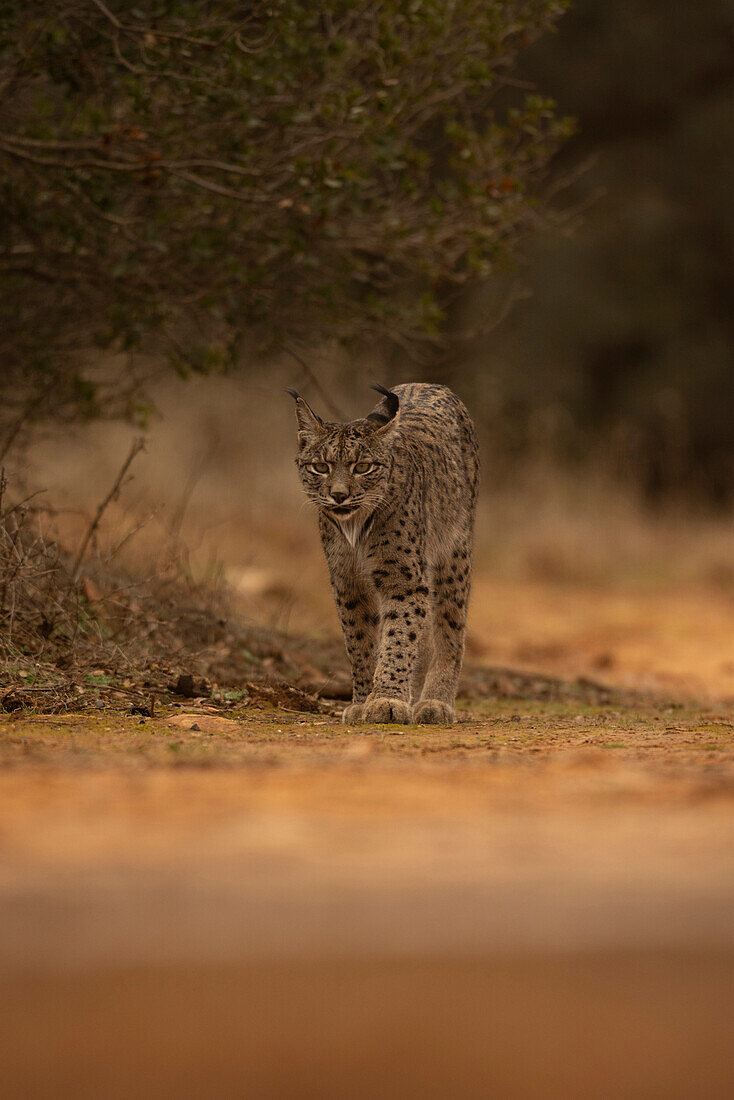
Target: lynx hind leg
point(450, 591)
point(434, 712)
point(353, 712)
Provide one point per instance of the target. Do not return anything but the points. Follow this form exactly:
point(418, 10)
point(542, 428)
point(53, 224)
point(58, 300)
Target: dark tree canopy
point(216, 177)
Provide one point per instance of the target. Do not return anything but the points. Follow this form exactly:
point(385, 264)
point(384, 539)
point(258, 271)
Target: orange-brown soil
point(537, 901)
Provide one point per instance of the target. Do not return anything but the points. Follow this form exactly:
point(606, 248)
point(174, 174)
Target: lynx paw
point(386, 710)
point(353, 713)
point(432, 712)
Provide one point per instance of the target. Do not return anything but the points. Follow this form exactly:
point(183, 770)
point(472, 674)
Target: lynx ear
point(309, 424)
point(387, 410)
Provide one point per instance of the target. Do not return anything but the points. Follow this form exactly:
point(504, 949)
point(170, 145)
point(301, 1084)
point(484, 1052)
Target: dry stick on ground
point(137, 446)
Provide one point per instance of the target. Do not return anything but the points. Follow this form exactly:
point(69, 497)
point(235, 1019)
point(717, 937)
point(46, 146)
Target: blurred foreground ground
point(537, 901)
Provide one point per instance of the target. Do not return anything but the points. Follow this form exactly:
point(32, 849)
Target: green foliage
point(219, 175)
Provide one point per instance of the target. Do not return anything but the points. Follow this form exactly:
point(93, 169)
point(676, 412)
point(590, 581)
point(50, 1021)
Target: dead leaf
point(91, 592)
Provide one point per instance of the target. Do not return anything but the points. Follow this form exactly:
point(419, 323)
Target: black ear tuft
point(306, 418)
point(393, 401)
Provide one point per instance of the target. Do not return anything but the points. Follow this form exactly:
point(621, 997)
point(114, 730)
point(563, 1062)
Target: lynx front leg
point(359, 619)
point(357, 610)
point(403, 615)
point(451, 583)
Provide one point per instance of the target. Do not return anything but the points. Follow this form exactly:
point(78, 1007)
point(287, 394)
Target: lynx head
point(345, 468)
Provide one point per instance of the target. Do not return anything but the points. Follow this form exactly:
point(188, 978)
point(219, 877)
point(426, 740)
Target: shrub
point(218, 178)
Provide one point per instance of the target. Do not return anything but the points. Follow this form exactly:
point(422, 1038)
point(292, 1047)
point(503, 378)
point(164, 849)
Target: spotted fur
point(396, 496)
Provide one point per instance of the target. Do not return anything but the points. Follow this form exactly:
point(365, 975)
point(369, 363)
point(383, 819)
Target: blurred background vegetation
point(203, 186)
point(212, 182)
point(209, 185)
point(622, 356)
point(318, 195)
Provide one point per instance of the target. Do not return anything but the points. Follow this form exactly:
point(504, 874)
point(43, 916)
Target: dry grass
point(76, 621)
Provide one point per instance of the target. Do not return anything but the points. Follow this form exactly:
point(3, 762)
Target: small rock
point(202, 723)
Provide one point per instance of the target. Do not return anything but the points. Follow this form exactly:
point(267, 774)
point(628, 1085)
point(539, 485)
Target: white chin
point(351, 527)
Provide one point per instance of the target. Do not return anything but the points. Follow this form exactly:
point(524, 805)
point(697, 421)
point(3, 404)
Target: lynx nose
point(338, 496)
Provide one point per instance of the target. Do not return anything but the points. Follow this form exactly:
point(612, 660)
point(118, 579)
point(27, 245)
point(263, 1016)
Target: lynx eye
point(362, 467)
point(319, 467)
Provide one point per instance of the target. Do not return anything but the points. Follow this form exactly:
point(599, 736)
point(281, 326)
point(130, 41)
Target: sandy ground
point(670, 639)
point(537, 901)
point(556, 829)
point(630, 1025)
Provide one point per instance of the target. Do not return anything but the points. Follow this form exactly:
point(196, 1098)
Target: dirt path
point(675, 640)
point(277, 900)
point(278, 834)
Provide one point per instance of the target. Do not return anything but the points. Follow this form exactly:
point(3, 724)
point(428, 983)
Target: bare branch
point(137, 446)
point(216, 188)
point(32, 406)
point(108, 14)
point(333, 408)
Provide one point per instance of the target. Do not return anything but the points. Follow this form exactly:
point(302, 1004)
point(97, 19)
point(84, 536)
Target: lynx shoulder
point(396, 495)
